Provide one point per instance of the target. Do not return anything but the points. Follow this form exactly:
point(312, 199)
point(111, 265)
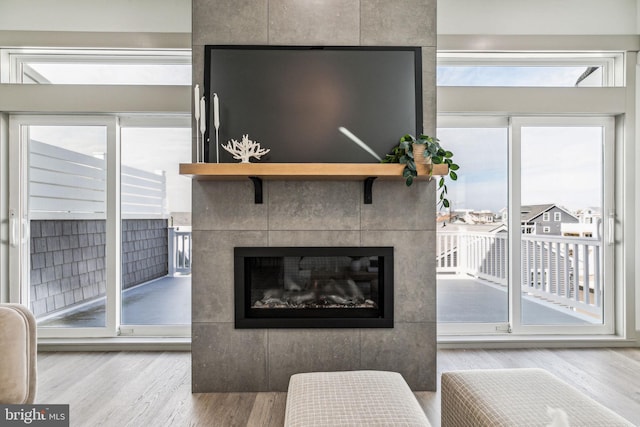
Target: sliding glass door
point(472, 235)
point(156, 226)
point(101, 224)
point(63, 211)
point(563, 185)
point(528, 243)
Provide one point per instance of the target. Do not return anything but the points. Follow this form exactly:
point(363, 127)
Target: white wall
point(454, 16)
point(538, 17)
point(168, 16)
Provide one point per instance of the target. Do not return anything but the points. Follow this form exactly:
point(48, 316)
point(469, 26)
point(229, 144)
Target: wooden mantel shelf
point(302, 171)
point(366, 172)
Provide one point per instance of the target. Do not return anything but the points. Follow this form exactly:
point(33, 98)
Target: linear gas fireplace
point(313, 287)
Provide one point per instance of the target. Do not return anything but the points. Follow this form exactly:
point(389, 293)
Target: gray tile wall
point(313, 213)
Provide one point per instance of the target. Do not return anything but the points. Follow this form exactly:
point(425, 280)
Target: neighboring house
point(589, 215)
point(590, 220)
point(545, 219)
point(470, 216)
point(480, 217)
point(503, 215)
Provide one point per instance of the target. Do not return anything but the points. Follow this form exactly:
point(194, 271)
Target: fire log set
point(321, 293)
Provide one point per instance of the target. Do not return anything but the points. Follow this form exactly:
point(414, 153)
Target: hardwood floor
point(154, 388)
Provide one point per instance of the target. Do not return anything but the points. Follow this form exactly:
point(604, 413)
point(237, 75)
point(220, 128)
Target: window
point(91, 183)
point(546, 230)
point(546, 217)
point(557, 216)
point(109, 67)
point(529, 69)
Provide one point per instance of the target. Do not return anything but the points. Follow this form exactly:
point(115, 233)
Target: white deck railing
point(563, 270)
point(179, 250)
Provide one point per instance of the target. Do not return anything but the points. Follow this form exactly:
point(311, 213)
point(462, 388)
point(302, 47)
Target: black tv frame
point(209, 135)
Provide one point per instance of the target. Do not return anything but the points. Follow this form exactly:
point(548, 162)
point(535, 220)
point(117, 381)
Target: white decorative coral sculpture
point(245, 149)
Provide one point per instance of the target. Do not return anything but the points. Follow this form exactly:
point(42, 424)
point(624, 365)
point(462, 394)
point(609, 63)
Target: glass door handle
point(612, 223)
point(13, 238)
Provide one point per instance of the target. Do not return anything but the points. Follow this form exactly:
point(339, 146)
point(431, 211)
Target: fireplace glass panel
point(332, 285)
point(313, 282)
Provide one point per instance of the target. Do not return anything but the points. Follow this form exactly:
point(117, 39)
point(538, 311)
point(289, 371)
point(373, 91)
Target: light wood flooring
point(154, 388)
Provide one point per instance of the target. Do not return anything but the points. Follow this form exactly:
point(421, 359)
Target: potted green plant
point(424, 149)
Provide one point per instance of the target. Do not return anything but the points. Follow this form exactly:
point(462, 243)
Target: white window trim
point(546, 229)
point(557, 216)
point(546, 216)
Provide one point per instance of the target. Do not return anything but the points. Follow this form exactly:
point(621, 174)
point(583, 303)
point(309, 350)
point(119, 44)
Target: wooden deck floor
point(154, 388)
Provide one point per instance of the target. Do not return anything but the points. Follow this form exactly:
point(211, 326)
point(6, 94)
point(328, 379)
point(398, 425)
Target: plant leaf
point(445, 202)
point(453, 175)
point(441, 182)
point(409, 181)
point(454, 167)
point(448, 154)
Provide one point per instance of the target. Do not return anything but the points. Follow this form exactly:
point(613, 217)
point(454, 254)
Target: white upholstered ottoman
point(352, 398)
point(517, 397)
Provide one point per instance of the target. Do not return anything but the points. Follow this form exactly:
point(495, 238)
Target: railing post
point(172, 250)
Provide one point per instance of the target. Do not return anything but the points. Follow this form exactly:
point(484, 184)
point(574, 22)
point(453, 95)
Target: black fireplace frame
point(248, 318)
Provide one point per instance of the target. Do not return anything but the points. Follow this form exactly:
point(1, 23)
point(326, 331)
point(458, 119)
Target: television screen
point(313, 104)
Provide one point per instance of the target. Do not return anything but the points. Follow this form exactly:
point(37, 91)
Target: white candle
point(216, 111)
point(196, 98)
point(203, 122)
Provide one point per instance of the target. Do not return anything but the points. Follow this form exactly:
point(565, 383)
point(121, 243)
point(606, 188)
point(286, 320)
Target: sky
point(560, 165)
point(535, 76)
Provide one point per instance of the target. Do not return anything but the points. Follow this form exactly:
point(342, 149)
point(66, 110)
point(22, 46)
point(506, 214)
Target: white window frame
point(546, 216)
point(546, 229)
point(557, 216)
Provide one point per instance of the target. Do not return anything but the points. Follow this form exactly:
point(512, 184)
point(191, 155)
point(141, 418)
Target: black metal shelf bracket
point(368, 188)
point(257, 188)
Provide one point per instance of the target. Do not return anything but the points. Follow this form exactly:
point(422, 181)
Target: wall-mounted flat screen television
point(313, 104)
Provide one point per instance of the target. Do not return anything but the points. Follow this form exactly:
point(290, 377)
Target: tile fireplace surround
point(313, 213)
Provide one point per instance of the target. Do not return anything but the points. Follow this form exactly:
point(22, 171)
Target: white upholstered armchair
point(17, 354)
